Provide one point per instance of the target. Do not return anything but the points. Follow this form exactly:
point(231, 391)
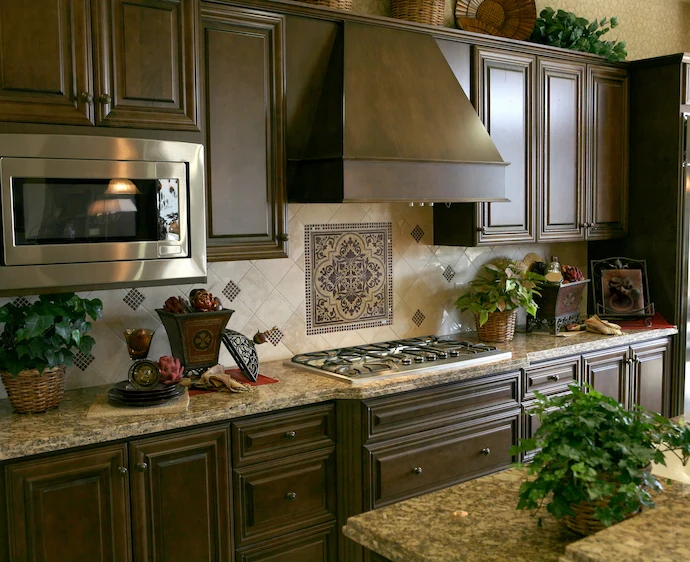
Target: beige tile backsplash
point(272, 292)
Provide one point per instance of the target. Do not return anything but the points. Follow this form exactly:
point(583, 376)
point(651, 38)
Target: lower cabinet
point(316, 544)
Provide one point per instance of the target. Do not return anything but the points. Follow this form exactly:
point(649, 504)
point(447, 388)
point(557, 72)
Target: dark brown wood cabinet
point(70, 507)
point(244, 81)
point(316, 544)
point(561, 153)
point(182, 482)
point(607, 372)
point(77, 62)
point(607, 153)
point(46, 75)
point(145, 58)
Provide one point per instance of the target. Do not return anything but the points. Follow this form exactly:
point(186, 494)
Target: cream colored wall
point(649, 28)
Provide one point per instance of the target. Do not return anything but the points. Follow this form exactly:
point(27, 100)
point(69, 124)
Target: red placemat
point(658, 322)
point(239, 377)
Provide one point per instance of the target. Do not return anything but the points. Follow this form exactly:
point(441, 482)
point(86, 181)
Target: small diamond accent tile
point(417, 233)
point(274, 335)
point(83, 361)
point(20, 302)
point(231, 291)
point(449, 273)
point(418, 318)
point(133, 299)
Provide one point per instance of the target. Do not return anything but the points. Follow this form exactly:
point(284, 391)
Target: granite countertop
point(477, 521)
point(67, 426)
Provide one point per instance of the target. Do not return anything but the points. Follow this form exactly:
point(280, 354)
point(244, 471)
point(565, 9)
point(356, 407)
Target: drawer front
point(272, 436)
point(316, 544)
point(279, 497)
point(431, 462)
point(551, 377)
point(420, 410)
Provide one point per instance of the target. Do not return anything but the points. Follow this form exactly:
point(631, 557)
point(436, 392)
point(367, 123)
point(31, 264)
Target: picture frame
point(620, 289)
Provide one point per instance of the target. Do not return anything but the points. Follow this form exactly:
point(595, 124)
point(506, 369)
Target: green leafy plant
point(592, 448)
point(565, 29)
point(46, 332)
point(504, 285)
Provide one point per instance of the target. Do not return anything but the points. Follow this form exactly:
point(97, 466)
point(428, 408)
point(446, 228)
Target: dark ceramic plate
point(145, 397)
point(118, 402)
point(127, 388)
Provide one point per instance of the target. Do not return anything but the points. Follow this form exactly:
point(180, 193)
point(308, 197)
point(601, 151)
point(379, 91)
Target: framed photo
point(620, 288)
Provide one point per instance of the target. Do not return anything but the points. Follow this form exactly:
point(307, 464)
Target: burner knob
point(419, 359)
point(407, 361)
point(430, 357)
point(455, 353)
point(442, 354)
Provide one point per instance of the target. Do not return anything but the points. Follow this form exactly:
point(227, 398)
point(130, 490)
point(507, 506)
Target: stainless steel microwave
point(93, 212)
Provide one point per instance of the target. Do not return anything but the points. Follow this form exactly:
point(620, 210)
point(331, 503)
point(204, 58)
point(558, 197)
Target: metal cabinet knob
point(290, 434)
point(417, 470)
point(86, 97)
point(583, 225)
point(122, 470)
point(141, 467)
point(554, 378)
point(284, 237)
point(630, 362)
point(486, 451)
point(104, 99)
point(481, 229)
point(291, 496)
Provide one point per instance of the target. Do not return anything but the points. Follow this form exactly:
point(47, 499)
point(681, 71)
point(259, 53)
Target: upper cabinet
point(244, 84)
point(118, 63)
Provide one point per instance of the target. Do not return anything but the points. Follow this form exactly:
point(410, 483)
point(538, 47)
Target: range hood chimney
point(378, 115)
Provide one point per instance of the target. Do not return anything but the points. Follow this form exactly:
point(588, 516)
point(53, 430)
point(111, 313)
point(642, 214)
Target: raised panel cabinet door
point(181, 497)
point(607, 138)
point(608, 373)
point(504, 95)
point(146, 59)
point(561, 156)
point(70, 507)
point(244, 81)
point(45, 62)
point(651, 384)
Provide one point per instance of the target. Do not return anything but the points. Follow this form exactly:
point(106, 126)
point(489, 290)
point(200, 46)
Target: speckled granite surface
point(67, 426)
point(433, 527)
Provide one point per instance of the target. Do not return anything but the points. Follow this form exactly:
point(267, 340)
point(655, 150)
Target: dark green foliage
point(45, 333)
point(565, 29)
point(593, 448)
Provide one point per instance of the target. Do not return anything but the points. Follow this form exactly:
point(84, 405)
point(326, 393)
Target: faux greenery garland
point(592, 448)
point(565, 29)
point(505, 285)
point(46, 332)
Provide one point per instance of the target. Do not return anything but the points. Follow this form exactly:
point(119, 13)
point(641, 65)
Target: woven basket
point(499, 328)
point(345, 5)
point(431, 12)
point(31, 392)
point(502, 18)
point(583, 522)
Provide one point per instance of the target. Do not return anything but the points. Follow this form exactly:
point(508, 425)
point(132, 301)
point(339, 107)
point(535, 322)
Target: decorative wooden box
point(559, 305)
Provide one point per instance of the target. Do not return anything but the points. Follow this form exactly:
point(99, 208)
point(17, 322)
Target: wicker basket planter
point(499, 328)
point(345, 5)
point(431, 12)
point(583, 522)
point(31, 392)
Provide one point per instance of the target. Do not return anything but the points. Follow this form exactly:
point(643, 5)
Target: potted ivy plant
point(37, 342)
point(593, 458)
point(495, 296)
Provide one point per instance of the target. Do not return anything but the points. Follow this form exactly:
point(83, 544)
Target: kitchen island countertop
point(68, 426)
point(477, 521)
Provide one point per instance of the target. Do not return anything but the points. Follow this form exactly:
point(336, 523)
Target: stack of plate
point(124, 394)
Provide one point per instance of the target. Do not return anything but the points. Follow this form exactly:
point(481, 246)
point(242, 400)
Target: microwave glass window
point(77, 211)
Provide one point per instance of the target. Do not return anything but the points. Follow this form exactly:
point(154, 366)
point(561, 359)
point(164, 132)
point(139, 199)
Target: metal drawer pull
point(554, 378)
point(141, 467)
point(486, 451)
point(290, 434)
point(417, 470)
point(291, 496)
point(122, 470)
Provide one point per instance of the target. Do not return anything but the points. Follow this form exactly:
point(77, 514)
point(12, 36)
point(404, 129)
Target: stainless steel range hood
point(377, 114)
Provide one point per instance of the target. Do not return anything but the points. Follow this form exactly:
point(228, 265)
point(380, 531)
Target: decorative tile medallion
point(418, 317)
point(133, 299)
point(274, 335)
point(417, 233)
point(349, 276)
point(82, 361)
point(231, 291)
point(449, 273)
point(21, 302)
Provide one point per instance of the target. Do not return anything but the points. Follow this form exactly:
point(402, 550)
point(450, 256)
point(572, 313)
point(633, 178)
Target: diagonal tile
point(417, 256)
point(240, 316)
point(274, 270)
point(254, 288)
point(230, 270)
point(275, 310)
point(292, 286)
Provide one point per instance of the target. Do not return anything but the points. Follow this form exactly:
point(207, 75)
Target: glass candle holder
point(138, 342)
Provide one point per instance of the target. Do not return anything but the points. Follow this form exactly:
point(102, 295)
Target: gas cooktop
point(398, 357)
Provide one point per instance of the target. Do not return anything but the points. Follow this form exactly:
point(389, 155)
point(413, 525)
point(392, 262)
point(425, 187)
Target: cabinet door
point(561, 111)
point(181, 497)
point(245, 98)
point(146, 59)
point(607, 138)
point(607, 372)
point(69, 507)
point(45, 61)
point(651, 380)
point(504, 96)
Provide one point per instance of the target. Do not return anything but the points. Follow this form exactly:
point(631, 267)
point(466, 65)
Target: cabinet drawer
point(442, 406)
point(276, 435)
point(278, 497)
point(316, 544)
point(431, 462)
point(552, 376)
